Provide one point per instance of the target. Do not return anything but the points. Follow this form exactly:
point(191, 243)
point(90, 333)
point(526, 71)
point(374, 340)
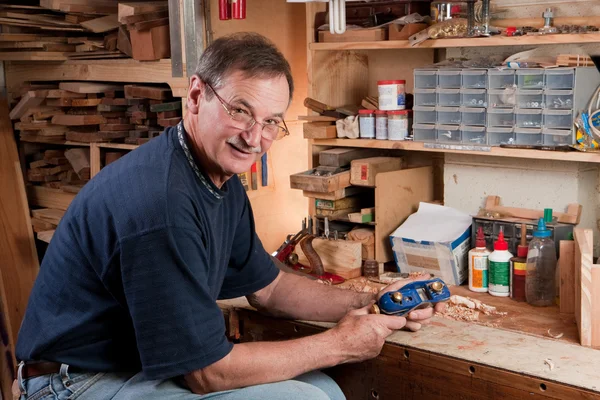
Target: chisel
point(254, 178)
point(264, 170)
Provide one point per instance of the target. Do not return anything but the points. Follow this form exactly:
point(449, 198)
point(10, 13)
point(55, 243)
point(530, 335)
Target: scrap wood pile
point(92, 112)
point(58, 30)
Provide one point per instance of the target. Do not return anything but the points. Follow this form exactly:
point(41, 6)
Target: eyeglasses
point(245, 121)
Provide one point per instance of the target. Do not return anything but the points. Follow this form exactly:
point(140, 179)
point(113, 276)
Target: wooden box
point(342, 156)
point(364, 170)
point(358, 35)
point(403, 32)
point(341, 257)
point(307, 181)
point(152, 44)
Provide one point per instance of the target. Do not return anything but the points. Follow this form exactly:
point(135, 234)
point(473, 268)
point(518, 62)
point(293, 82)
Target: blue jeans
point(126, 386)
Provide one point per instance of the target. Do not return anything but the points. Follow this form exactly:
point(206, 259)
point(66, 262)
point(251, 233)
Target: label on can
point(499, 276)
point(479, 271)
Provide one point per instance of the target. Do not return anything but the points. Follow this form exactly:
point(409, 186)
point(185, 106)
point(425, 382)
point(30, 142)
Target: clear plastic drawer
point(424, 115)
point(473, 134)
point(558, 119)
point(449, 79)
point(425, 79)
point(474, 78)
point(528, 118)
point(473, 116)
point(424, 132)
point(501, 78)
point(557, 137)
point(558, 99)
point(473, 97)
point(530, 78)
point(448, 133)
point(448, 115)
point(529, 136)
point(425, 97)
point(448, 97)
point(560, 78)
point(498, 136)
point(500, 117)
point(530, 98)
point(502, 98)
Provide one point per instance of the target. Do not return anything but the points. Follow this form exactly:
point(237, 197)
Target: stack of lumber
point(144, 33)
point(44, 222)
point(57, 168)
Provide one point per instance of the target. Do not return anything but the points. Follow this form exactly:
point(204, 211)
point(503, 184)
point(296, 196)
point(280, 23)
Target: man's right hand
point(360, 336)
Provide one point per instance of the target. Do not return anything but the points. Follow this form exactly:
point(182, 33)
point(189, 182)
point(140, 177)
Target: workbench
point(513, 357)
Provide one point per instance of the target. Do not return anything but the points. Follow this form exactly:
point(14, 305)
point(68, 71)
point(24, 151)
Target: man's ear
point(195, 94)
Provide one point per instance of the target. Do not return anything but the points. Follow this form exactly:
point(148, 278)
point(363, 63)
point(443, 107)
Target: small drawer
point(448, 133)
point(424, 115)
point(425, 79)
point(500, 117)
point(502, 98)
point(530, 78)
point(528, 118)
point(560, 78)
point(557, 137)
point(501, 78)
point(558, 99)
point(448, 97)
point(530, 98)
point(473, 134)
point(529, 136)
point(449, 79)
point(425, 97)
point(473, 98)
point(498, 136)
point(473, 116)
point(558, 119)
point(474, 78)
point(424, 132)
point(448, 115)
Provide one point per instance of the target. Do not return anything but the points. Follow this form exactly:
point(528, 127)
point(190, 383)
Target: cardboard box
point(364, 170)
point(435, 239)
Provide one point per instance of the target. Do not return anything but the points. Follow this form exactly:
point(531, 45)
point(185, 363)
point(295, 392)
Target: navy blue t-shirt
point(133, 271)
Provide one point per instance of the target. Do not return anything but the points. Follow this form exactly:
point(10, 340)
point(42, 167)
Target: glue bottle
point(499, 282)
point(478, 264)
point(540, 287)
point(518, 268)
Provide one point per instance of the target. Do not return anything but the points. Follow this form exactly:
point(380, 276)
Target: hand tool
point(326, 232)
point(264, 170)
point(238, 9)
point(254, 178)
point(224, 9)
point(244, 179)
point(413, 296)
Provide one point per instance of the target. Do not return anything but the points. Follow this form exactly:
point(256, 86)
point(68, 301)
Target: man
point(125, 303)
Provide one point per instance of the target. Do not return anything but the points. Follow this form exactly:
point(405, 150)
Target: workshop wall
point(278, 211)
point(525, 183)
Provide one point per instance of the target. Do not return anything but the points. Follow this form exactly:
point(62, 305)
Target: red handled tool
point(238, 9)
point(224, 9)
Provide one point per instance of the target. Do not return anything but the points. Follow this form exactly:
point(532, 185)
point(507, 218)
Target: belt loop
point(64, 374)
point(20, 378)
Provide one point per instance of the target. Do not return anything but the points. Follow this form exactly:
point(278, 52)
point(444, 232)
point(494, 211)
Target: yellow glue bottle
point(479, 264)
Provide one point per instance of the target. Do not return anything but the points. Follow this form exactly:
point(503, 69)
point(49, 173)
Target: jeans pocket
point(80, 382)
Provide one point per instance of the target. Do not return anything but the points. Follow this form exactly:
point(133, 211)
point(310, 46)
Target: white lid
point(449, 72)
point(473, 91)
point(424, 126)
point(558, 92)
point(474, 72)
point(424, 108)
point(497, 129)
point(530, 71)
point(447, 127)
point(556, 132)
point(560, 71)
point(509, 90)
point(529, 92)
point(500, 110)
point(529, 131)
point(448, 91)
point(425, 91)
point(496, 71)
point(558, 112)
point(470, 128)
point(477, 110)
point(447, 109)
point(528, 111)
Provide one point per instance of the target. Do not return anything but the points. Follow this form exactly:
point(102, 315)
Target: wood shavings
point(466, 309)
point(474, 304)
point(361, 285)
point(460, 313)
point(324, 282)
point(558, 336)
point(549, 363)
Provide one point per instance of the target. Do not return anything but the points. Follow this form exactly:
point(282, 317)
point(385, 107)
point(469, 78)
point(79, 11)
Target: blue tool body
point(415, 295)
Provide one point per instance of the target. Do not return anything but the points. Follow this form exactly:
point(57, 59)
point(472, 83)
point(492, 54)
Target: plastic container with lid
point(499, 274)
point(540, 287)
point(392, 94)
point(366, 124)
point(558, 119)
point(518, 268)
point(397, 125)
point(381, 125)
point(557, 137)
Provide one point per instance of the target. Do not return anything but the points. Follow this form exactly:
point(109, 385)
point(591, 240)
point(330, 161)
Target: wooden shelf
point(122, 146)
point(464, 42)
point(484, 150)
point(119, 70)
point(54, 142)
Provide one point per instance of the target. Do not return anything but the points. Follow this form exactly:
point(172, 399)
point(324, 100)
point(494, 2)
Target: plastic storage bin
point(425, 97)
point(424, 115)
point(528, 118)
point(474, 78)
point(448, 133)
point(530, 98)
point(473, 98)
point(558, 99)
point(558, 119)
point(498, 136)
point(528, 136)
point(502, 98)
point(449, 79)
point(425, 79)
point(557, 137)
point(500, 117)
point(560, 78)
point(473, 134)
point(473, 116)
point(424, 132)
point(448, 115)
point(530, 78)
point(501, 78)
point(448, 97)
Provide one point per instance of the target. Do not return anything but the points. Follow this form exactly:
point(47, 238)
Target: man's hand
point(415, 319)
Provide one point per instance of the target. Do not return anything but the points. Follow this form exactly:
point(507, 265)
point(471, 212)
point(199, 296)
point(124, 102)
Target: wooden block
point(112, 134)
point(358, 35)
point(50, 215)
point(366, 236)
point(79, 159)
point(88, 87)
point(63, 94)
point(143, 115)
point(335, 254)
point(31, 126)
point(45, 236)
point(113, 114)
point(124, 41)
point(171, 106)
point(135, 134)
point(71, 188)
point(587, 287)
point(319, 130)
point(43, 113)
point(309, 182)
point(102, 24)
point(145, 25)
point(149, 92)
point(85, 102)
point(38, 164)
point(32, 176)
point(168, 114)
point(333, 215)
point(129, 9)
point(169, 121)
point(342, 156)
point(347, 202)
point(364, 171)
point(78, 120)
point(152, 44)
point(572, 216)
point(117, 120)
point(112, 156)
point(360, 218)
point(41, 225)
point(566, 265)
point(32, 98)
point(116, 127)
point(62, 102)
point(108, 108)
point(132, 19)
point(122, 101)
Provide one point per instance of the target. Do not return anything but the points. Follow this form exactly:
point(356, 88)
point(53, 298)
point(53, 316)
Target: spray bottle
point(478, 264)
point(499, 284)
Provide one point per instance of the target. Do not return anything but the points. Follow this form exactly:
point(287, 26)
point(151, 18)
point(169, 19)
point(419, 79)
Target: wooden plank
point(145, 25)
point(364, 171)
point(572, 216)
point(335, 195)
point(346, 202)
point(45, 236)
point(152, 44)
point(129, 9)
point(85, 102)
point(7, 347)
point(50, 198)
point(319, 130)
point(342, 156)
point(309, 182)
point(358, 35)
point(19, 258)
point(335, 254)
point(34, 56)
point(102, 24)
point(40, 225)
point(397, 196)
point(78, 120)
point(51, 215)
point(148, 92)
point(132, 19)
point(566, 265)
point(88, 87)
point(28, 100)
point(63, 94)
point(30, 37)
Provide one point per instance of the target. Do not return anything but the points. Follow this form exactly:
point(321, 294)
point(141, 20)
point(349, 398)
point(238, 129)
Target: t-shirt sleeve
point(250, 266)
point(178, 326)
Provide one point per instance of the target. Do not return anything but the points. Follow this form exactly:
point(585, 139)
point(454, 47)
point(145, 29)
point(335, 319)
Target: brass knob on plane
point(293, 259)
point(374, 309)
point(437, 286)
point(397, 297)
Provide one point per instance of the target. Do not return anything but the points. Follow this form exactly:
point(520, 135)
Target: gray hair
point(251, 53)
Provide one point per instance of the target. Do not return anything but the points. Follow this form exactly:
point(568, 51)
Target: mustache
point(241, 145)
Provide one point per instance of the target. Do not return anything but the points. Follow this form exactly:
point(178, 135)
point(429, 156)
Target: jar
point(371, 269)
point(392, 95)
point(397, 125)
point(366, 124)
point(381, 125)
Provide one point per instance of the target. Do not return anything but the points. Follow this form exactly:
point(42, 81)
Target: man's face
point(228, 147)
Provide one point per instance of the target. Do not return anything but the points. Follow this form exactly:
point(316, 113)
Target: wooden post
point(95, 162)
point(566, 263)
